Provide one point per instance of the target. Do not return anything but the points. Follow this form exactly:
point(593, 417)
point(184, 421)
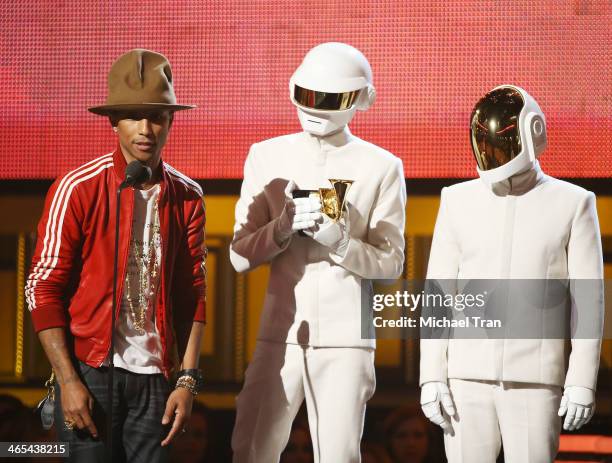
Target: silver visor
point(324, 100)
point(494, 128)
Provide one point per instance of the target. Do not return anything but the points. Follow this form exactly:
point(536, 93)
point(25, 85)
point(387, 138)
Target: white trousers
point(336, 383)
point(521, 415)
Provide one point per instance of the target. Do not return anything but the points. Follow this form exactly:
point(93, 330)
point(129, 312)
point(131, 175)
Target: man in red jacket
point(161, 279)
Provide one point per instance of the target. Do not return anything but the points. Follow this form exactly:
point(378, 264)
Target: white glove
point(298, 214)
point(436, 399)
point(334, 235)
point(578, 405)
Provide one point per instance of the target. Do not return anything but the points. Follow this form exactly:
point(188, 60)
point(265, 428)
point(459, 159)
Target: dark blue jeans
point(139, 404)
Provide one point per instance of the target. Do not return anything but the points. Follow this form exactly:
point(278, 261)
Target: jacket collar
point(520, 183)
point(334, 141)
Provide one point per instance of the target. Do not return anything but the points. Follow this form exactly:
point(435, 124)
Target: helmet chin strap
point(323, 124)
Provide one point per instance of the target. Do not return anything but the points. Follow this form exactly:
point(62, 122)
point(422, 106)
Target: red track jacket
point(71, 278)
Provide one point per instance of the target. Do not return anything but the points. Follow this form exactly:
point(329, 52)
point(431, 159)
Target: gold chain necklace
point(147, 271)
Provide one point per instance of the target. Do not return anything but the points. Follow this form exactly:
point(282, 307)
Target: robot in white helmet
point(331, 84)
point(309, 345)
point(514, 223)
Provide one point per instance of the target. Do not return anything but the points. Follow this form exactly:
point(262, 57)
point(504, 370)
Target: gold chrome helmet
point(507, 132)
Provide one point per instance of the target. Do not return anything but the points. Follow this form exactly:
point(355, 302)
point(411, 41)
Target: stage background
point(432, 61)
point(233, 58)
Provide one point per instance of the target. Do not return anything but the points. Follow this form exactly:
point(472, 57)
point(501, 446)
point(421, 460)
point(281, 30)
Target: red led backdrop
point(233, 58)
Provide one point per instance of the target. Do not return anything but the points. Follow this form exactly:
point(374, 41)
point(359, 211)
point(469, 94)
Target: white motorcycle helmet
point(333, 81)
point(508, 133)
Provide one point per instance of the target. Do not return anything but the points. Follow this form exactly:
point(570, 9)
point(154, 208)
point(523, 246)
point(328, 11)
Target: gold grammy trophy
point(333, 199)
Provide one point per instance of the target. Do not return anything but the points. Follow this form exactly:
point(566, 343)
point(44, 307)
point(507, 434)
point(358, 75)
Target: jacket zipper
point(121, 274)
point(162, 276)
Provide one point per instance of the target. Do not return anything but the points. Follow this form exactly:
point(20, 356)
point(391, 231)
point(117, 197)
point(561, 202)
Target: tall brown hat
point(140, 79)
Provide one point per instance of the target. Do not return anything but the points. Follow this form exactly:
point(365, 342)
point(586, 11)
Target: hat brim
point(105, 110)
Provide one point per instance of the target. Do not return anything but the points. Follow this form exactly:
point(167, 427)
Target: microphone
point(135, 173)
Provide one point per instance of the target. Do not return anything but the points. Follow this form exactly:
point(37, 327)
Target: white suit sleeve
point(253, 243)
point(381, 256)
point(443, 265)
point(585, 268)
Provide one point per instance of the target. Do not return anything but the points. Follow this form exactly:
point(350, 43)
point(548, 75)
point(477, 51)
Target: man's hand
point(578, 405)
point(77, 405)
point(178, 407)
point(298, 214)
point(334, 235)
point(77, 402)
point(436, 398)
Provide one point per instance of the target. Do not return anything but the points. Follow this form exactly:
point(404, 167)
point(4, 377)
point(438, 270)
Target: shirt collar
point(334, 141)
point(520, 183)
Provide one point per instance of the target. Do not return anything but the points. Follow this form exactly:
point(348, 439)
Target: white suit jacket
point(313, 296)
point(534, 227)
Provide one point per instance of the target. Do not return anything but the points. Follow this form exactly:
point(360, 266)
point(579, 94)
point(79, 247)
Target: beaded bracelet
point(189, 383)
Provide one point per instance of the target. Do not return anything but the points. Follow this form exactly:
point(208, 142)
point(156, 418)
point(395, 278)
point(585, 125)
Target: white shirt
point(137, 351)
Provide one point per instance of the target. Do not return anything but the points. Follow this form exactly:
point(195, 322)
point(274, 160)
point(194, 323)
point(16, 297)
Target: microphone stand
point(111, 362)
